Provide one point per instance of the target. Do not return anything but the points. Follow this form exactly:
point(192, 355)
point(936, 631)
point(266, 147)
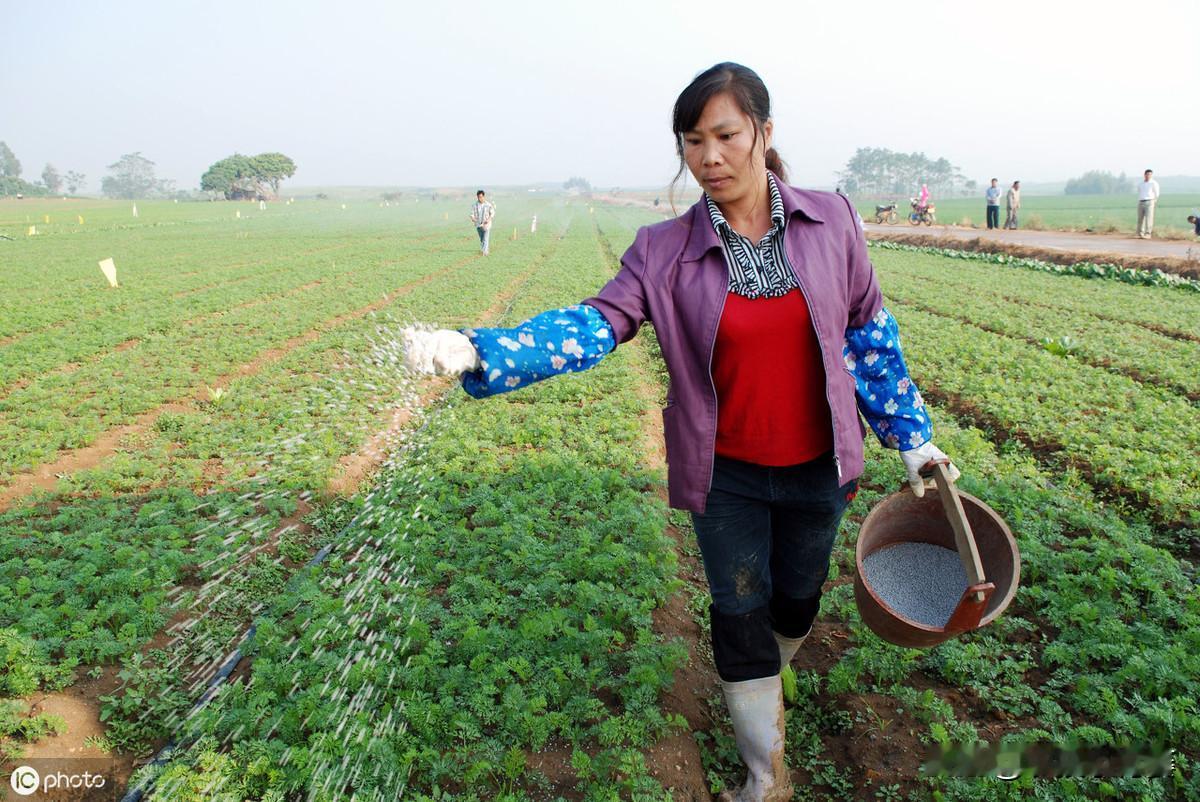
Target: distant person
point(993, 204)
point(1012, 203)
point(1194, 219)
point(1147, 198)
point(923, 197)
point(482, 214)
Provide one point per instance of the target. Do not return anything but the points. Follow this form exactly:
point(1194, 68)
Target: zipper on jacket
point(812, 314)
point(712, 347)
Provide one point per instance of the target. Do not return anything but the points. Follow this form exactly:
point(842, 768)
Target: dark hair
point(747, 90)
point(995, 179)
point(1148, 170)
point(480, 192)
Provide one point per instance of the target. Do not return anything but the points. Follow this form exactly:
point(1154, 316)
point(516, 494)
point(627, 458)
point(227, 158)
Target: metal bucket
point(904, 518)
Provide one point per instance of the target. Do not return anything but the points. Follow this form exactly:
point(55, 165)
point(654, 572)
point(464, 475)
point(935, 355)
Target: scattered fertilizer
point(920, 581)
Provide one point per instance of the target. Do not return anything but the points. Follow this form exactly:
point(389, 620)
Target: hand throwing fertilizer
point(933, 567)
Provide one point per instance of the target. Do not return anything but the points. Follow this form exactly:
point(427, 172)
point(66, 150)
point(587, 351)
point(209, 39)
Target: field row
point(512, 657)
point(274, 438)
point(1136, 351)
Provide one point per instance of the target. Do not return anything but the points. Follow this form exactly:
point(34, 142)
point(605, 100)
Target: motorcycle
point(921, 214)
point(886, 213)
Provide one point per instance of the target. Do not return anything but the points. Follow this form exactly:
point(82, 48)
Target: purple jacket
point(675, 275)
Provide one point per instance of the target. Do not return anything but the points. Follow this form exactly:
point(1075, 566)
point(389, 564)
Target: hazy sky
point(509, 92)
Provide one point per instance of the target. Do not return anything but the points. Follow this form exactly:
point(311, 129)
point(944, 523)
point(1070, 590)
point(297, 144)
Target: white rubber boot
point(756, 707)
point(789, 646)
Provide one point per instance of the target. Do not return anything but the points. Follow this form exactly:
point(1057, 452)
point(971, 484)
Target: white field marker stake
point(533, 225)
point(237, 213)
point(109, 270)
point(135, 214)
point(32, 231)
point(262, 206)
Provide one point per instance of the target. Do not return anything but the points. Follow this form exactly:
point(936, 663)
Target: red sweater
point(771, 405)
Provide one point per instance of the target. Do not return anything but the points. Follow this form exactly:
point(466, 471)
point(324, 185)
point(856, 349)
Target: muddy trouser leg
point(753, 514)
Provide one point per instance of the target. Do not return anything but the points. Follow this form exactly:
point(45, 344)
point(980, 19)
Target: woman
point(772, 327)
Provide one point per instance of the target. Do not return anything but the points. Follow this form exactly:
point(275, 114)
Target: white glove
point(915, 458)
point(444, 352)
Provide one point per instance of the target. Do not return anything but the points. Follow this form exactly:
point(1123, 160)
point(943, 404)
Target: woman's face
point(722, 152)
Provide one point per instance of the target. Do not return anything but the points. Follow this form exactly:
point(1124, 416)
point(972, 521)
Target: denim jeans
point(993, 216)
point(484, 233)
point(765, 538)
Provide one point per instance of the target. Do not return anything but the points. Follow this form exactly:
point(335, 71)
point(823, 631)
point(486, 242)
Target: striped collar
point(778, 218)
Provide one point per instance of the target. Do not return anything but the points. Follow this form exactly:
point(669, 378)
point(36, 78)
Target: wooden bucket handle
point(964, 538)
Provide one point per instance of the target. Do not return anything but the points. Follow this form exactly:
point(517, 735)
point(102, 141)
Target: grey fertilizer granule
point(920, 581)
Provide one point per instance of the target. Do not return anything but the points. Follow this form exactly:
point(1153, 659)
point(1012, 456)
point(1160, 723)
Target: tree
point(52, 179)
point(132, 177)
point(579, 183)
point(273, 168)
point(9, 166)
point(238, 177)
point(233, 177)
point(74, 181)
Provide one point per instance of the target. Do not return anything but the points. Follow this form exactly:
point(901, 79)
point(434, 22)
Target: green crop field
point(1102, 213)
point(502, 606)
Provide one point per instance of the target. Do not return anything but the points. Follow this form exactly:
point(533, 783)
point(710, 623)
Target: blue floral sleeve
point(565, 340)
point(887, 396)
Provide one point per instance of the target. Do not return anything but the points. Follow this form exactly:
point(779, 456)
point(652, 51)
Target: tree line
point(53, 182)
point(133, 176)
point(879, 171)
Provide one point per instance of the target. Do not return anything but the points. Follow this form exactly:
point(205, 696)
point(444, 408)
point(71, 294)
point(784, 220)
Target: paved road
point(1072, 241)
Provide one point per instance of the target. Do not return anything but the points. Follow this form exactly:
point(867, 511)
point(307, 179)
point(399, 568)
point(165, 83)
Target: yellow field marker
point(46, 219)
point(109, 270)
point(80, 219)
point(32, 230)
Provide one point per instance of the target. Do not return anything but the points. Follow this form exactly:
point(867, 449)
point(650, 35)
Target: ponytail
point(776, 164)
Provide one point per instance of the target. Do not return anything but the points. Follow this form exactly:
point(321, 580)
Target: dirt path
point(1091, 245)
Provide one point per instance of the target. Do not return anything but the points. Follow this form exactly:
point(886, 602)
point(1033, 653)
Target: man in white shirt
point(1147, 197)
point(481, 215)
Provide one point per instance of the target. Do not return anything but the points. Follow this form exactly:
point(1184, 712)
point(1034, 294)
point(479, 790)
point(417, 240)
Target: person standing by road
point(993, 204)
point(771, 303)
point(1012, 203)
point(482, 214)
point(1147, 198)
